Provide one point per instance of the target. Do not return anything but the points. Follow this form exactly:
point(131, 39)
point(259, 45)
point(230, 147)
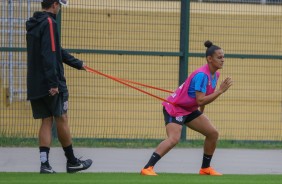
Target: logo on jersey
point(173, 95)
point(180, 87)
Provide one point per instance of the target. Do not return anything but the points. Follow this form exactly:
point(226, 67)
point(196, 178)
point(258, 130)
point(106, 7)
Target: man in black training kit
point(46, 84)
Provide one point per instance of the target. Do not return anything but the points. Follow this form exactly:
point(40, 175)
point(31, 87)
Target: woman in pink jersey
point(186, 107)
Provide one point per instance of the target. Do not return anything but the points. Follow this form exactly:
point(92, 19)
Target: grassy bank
point(139, 143)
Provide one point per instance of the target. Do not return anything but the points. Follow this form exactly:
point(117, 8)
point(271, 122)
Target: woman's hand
point(225, 85)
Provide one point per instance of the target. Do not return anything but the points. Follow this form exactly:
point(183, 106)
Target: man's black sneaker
point(79, 165)
point(46, 169)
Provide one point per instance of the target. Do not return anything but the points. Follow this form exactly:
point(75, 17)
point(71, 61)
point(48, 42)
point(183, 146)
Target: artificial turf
point(134, 178)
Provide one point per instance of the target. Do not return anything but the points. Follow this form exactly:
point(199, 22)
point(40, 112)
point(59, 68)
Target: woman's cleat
point(209, 171)
point(148, 171)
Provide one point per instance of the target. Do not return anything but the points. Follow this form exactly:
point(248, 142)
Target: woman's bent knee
point(213, 135)
point(174, 141)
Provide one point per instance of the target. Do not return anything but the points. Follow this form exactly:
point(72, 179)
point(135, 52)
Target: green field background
point(107, 178)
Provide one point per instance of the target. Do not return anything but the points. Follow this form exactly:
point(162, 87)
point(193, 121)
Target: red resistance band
point(125, 82)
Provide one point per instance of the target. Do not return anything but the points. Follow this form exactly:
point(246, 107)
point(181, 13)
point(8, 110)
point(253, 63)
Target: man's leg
point(45, 132)
point(64, 136)
point(44, 144)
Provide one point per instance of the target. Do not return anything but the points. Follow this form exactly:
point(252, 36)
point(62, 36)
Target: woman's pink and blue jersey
point(183, 100)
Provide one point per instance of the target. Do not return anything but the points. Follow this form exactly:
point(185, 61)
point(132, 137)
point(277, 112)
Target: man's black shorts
point(50, 106)
point(181, 119)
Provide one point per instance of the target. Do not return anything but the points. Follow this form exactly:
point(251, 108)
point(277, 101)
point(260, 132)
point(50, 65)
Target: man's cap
point(62, 2)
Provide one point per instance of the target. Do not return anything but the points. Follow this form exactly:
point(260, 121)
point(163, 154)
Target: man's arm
point(72, 61)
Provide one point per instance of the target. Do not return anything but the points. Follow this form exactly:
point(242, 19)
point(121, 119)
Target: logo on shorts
point(65, 105)
point(179, 118)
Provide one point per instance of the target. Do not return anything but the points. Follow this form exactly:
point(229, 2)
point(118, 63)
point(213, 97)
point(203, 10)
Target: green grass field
point(135, 178)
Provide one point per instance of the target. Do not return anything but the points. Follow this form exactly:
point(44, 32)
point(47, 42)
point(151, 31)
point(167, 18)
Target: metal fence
point(143, 41)
point(243, 1)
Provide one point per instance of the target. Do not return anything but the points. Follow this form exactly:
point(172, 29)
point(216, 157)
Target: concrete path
point(227, 161)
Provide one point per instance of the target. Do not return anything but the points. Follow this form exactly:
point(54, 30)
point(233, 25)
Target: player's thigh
point(202, 125)
point(173, 125)
point(173, 130)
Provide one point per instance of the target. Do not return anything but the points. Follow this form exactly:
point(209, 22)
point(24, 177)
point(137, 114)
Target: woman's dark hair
point(211, 48)
point(46, 4)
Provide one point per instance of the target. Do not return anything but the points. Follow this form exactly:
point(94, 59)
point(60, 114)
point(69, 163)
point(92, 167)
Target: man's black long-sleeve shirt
point(45, 56)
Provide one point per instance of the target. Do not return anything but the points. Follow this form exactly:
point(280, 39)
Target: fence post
point(184, 48)
point(59, 22)
point(10, 60)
